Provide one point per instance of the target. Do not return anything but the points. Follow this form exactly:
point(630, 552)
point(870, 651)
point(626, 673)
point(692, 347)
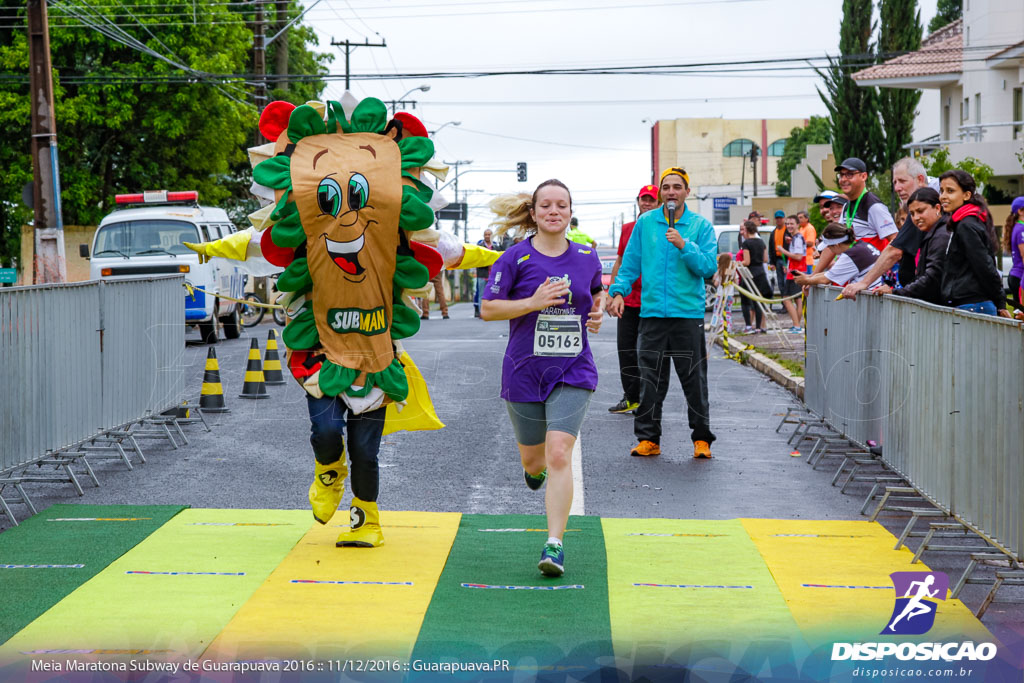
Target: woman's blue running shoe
point(552, 560)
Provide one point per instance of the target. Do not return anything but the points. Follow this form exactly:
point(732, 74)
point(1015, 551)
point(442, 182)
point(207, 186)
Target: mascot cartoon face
point(345, 201)
point(348, 189)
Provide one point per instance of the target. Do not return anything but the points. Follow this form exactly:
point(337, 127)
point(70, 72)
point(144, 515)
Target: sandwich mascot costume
point(349, 219)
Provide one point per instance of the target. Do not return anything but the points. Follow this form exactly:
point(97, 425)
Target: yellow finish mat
point(173, 592)
point(675, 583)
point(324, 602)
point(835, 578)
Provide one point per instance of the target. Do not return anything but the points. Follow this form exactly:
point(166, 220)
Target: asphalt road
point(258, 455)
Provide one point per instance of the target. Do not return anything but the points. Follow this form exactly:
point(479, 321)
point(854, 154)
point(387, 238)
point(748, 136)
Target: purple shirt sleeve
point(502, 277)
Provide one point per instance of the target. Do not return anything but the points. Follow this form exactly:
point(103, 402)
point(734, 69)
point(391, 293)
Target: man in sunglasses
point(864, 212)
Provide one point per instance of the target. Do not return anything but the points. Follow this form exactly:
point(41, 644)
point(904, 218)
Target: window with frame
point(738, 148)
point(777, 148)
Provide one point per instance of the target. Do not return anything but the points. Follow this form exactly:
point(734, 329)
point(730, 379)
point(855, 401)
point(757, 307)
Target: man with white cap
point(831, 204)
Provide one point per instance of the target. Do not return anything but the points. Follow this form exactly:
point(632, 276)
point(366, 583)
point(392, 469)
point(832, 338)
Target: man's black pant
point(682, 341)
point(627, 334)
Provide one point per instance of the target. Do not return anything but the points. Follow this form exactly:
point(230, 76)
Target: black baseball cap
point(853, 164)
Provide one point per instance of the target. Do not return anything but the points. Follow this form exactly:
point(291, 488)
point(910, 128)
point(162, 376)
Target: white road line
point(577, 478)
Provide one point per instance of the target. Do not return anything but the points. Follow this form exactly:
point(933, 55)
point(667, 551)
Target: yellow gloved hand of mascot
point(476, 256)
point(233, 247)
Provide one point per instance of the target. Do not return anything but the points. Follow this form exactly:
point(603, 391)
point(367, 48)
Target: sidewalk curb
point(766, 366)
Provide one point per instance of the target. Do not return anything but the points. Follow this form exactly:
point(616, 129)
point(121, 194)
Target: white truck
point(145, 235)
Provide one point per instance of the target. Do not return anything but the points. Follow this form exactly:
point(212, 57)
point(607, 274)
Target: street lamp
point(424, 88)
point(447, 123)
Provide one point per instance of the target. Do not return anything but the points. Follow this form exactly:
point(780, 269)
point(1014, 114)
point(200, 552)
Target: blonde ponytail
point(512, 214)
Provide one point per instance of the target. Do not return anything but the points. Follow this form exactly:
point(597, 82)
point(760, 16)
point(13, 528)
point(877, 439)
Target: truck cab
point(145, 235)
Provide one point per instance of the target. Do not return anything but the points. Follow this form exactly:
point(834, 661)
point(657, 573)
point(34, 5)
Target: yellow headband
point(672, 170)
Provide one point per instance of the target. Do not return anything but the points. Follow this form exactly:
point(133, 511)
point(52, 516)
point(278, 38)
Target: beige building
point(716, 155)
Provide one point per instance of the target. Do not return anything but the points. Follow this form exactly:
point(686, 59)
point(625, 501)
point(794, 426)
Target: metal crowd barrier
point(940, 391)
point(79, 360)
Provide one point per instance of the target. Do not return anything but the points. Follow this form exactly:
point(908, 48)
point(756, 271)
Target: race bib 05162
point(558, 335)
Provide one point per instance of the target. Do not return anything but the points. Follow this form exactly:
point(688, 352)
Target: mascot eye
point(358, 191)
point(328, 196)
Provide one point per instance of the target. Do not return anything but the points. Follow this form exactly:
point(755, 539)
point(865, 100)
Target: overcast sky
point(587, 130)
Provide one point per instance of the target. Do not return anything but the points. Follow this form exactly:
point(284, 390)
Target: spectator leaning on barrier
point(674, 259)
point(627, 332)
point(1013, 242)
point(926, 213)
point(810, 235)
point(864, 212)
point(795, 250)
point(908, 176)
point(853, 259)
point(970, 280)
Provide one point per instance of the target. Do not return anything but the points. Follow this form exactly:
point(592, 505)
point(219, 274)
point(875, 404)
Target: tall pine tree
point(853, 110)
point(900, 32)
point(946, 12)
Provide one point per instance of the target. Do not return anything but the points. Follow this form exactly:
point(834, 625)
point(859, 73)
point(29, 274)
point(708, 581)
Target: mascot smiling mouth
point(346, 254)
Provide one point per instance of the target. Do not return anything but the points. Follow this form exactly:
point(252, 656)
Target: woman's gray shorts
point(563, 411)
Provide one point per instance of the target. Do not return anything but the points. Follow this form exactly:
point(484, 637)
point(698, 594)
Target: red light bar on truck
point(157, 197)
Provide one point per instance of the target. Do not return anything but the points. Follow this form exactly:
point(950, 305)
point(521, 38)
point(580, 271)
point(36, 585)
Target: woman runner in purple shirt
point(549, 289)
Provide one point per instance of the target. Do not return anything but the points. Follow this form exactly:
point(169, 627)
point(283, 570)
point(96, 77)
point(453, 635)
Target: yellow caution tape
point(758, 297)
point(192, 289)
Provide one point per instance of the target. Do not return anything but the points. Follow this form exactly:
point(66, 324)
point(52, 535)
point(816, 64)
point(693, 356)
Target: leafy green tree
point(900, 32)
point(856, 128)
point(947, 11)
point(128, 120)
point(938, 162)
point(816, 132)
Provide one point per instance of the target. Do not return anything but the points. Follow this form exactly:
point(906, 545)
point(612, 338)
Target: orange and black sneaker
point(646, 449)
point(701, 449)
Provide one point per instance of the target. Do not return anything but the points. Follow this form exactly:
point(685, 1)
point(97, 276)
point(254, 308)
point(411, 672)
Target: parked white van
point(145, 236)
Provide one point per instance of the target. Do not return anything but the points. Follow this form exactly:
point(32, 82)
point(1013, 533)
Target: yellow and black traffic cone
point(272, 374)
point(254, 386)
point(212, 398)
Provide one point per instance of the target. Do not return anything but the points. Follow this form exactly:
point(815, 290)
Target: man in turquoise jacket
point(673, 253)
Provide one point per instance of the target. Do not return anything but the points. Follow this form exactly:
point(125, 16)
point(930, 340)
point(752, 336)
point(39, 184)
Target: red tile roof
point(940, 53)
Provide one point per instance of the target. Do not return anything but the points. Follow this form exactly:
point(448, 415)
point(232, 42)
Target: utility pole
point(259, 58)
point(743, 177)
point(349, 47)
point(281, 54)
point(754, 152)
point(395, 104)
point(48, 224)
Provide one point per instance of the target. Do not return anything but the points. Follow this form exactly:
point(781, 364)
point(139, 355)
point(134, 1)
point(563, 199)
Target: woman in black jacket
point(926, 213)
point(970, 280)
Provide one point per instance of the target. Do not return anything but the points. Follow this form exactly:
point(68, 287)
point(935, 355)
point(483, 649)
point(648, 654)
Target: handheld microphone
point(671, 206)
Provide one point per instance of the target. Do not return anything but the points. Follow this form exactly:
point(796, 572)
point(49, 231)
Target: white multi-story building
point(977, 66)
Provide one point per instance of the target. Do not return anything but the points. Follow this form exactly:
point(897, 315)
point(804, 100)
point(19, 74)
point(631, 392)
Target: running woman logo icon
point(917, 594)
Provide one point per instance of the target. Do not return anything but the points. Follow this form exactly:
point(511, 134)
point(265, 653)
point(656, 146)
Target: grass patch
point(795, 368)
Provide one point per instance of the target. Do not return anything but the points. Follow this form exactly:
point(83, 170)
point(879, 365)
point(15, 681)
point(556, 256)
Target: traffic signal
point(521, 171)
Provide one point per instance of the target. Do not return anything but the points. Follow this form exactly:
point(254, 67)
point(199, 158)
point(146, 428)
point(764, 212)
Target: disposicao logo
point(917, 596)
point(914, 612)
